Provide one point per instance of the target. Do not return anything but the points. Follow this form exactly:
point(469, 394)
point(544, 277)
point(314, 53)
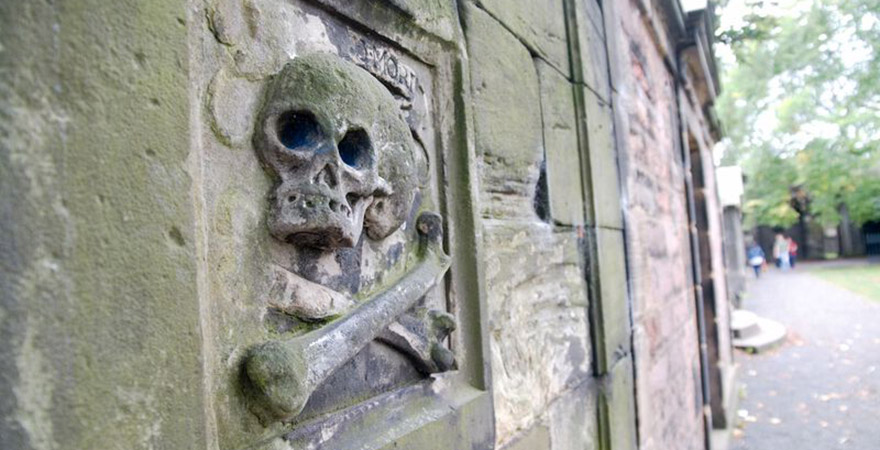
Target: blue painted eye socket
point(298, 129)
point(354, 148)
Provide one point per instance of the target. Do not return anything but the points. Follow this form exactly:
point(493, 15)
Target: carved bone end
point(278, 375)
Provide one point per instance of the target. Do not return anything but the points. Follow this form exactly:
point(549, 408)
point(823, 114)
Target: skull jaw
point(318, 221)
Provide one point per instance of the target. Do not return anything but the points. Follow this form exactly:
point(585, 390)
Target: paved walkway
point(820, 390)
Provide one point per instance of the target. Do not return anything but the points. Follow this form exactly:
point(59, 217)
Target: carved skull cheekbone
point(342, 153)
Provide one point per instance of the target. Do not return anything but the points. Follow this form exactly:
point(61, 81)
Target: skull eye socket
point(298, 129)
point(354, 148)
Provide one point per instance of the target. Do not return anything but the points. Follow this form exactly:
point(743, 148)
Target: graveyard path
point(820, 389)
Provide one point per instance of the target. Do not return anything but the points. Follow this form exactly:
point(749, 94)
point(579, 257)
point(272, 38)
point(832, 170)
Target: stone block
point(537, 312)
point(614, 40)
point(618, 398)
point(573, 424)
point(541, 25)
point(613, 290)
point(537, 438)
point(507, 116)
point(592, 58)
point(561, 146)
point(606, 208)
point(593, 12)
point(99, 305)
point(435, 17)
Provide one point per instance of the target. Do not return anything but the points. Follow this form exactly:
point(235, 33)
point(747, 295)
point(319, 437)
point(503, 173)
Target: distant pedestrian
point(780, 251)
point(792, 251)
point(755, 255)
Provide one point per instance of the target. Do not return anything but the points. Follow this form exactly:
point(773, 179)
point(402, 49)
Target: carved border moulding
point(342, 155)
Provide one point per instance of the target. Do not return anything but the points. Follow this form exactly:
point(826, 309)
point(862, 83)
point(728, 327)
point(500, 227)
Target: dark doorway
point(705, 281)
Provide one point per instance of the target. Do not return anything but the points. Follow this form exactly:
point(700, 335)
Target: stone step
point(744, 324)
point(771, 334)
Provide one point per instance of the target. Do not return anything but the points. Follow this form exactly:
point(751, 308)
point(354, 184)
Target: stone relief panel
point(328, 294)
point(342, 157)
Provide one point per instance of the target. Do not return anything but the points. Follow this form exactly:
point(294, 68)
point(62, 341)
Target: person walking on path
point(780, 251)
point(792, 251)
point(755, 256)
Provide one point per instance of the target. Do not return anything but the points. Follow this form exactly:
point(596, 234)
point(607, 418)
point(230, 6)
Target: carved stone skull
point(341, 152)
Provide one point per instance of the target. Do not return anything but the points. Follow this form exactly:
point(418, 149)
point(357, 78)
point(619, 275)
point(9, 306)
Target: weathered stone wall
point(99, 322)
point(665, 343)
point(526, 143)
point(138, 271)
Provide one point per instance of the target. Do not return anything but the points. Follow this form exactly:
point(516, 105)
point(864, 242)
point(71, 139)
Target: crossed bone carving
point(285, 373)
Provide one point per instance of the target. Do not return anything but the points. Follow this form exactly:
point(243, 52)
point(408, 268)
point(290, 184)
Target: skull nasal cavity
point(327, 176)
point(298, 129)
point(354, 148)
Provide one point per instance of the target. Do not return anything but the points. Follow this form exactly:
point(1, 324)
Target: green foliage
point(801, 108)
point(767, 193)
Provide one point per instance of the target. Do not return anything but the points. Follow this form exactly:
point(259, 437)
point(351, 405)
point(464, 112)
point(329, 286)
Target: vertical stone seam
point(602, 364)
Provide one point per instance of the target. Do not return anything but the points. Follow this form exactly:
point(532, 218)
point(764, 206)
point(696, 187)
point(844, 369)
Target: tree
point(801, 107)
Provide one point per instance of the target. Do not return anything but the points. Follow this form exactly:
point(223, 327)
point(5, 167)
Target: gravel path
point(820, 389)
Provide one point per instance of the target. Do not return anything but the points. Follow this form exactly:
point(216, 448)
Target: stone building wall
point(150, 301)
point(665, 342)
point(99, 322)
point(538, 111)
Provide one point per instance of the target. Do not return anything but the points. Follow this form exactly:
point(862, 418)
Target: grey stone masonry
point(355, 224)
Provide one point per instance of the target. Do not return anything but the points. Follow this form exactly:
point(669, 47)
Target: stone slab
point(605, 184)
point(613, 291)
point(99, 312)
point(593, 13)
point(537, 320)
point(537, 438)
point(770, 335)
point(618, 399)
point(573, 420)
point(507, 117)
point(540, 24)
point(561, 146)
point(744, 324)
point(617, 53)
point(593, 68)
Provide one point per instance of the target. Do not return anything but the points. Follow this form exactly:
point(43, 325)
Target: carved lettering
point(386, 66)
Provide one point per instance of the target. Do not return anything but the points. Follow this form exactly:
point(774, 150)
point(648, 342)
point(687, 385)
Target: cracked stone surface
point(821, 388)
